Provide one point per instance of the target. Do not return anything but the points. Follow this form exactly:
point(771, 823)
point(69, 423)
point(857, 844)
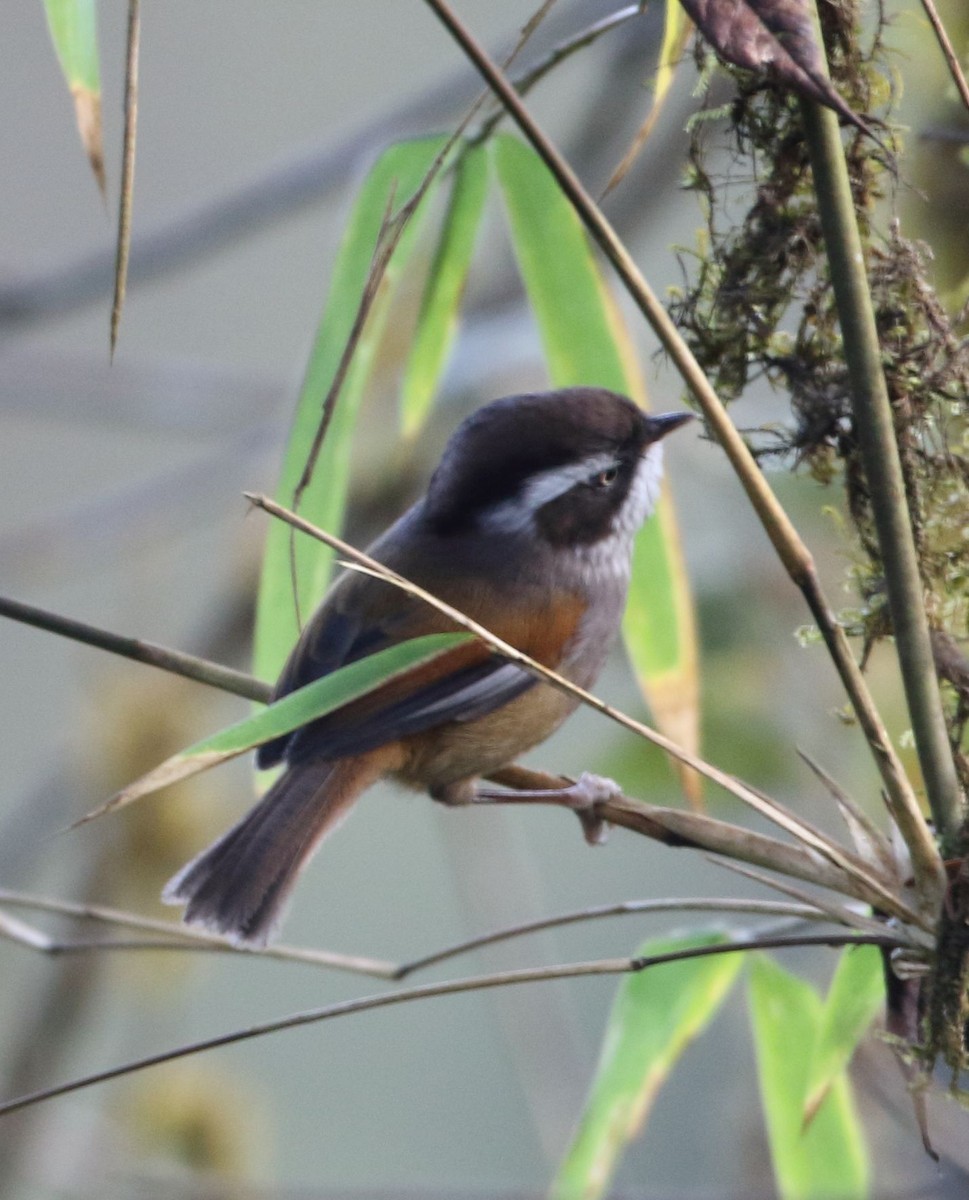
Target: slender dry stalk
point(126, 201)
point(948, 51)
point(168, 936)
point(189, 666)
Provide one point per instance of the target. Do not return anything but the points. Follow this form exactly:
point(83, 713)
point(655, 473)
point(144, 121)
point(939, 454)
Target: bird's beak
point(663, 423)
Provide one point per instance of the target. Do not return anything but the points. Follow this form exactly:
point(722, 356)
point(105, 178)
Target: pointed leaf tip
point(73, 30)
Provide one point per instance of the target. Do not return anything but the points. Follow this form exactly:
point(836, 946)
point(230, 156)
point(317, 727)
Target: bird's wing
point(458, 685)
point(362, 616)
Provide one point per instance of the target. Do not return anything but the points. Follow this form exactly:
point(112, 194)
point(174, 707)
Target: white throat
point(645, 491)
point(611, 556)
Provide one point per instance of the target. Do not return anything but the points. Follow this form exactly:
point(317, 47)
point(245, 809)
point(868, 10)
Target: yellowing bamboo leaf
point(677, 27)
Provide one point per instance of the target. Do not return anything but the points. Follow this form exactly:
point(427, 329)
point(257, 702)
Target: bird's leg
point(582, 795)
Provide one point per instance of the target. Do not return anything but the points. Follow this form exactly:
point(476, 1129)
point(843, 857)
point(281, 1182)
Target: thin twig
point(605, 966)
point(838, 914)
point(175, 936)
point(948, 51)
point(524, 83)
point(174, 661)
point(127, 169)
point(392, 226)
point(792, 552)
point(875, 427)
point(717, 906)
point(184, 937)
point(874, 889)
point(864, 832)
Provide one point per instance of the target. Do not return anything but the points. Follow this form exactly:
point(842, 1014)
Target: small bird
point(527, 527)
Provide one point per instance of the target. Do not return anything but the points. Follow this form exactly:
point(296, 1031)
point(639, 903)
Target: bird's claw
point(584, 798)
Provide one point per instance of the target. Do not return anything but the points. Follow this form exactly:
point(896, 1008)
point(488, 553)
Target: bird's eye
point(606, 478)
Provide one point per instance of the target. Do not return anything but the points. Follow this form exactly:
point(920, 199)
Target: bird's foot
point(584, 797)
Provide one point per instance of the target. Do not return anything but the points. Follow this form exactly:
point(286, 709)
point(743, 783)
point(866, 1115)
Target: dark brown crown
point(494, 453)
point(498, 449)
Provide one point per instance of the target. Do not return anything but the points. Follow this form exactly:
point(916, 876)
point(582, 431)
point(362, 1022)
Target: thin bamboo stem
point(187, 665)
point(875, 429)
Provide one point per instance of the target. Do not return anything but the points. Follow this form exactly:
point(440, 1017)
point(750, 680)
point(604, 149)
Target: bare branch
point(174, 661)
point(604, 966)
point(168, 936)
point(716, 906)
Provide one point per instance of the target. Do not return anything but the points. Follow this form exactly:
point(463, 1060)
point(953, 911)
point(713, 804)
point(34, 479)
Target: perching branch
point(670, 826)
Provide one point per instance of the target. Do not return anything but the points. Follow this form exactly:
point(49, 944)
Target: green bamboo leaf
point(828, 1159)
point(656, 1014)
point(73, 30)
point(393, 179)
point(292, 711)
point(585, 342)
point(855, 998)
point(564, 286)
point(437, 323)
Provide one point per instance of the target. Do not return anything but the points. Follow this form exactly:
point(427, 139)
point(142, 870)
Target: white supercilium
point(611, 556)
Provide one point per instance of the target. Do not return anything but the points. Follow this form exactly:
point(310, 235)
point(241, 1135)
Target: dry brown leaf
point(776, 38)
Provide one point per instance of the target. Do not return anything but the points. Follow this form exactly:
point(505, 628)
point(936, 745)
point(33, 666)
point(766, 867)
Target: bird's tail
point(239, 885)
